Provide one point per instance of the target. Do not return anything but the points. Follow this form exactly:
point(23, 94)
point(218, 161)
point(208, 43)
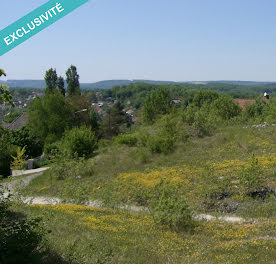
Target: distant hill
point(40, 84)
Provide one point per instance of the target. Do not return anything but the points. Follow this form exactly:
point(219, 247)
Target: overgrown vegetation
point(181, 154)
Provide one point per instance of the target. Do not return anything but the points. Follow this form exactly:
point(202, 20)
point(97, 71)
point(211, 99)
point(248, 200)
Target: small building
point(266, 96)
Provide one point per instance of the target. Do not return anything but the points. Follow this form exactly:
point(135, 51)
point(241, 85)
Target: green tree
point(72, 79)
point(113, 120)
point(5, 156)
point(158, 102)
point(61, 85)
point(226, 108)
point(23, 137)
point(4, 93)
point(202, 97)
point(50, 80)
point(49, 116)
point(88, 118)
point(79, 142)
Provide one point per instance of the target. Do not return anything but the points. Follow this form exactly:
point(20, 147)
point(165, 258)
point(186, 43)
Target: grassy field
point(91, 235)
point(206, 169)
point(209, 171)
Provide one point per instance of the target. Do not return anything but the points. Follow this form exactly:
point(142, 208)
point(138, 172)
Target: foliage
point(226, 108)
point(52, 150)
point(72, 79)
point(19, 160)
point(163, 139)
point(11, 117)
point(126, 139)
point(251, 178)
point(61, 85)
point(51, 80)
point(5, 152)
point(269, 111)
point(169, 207)
point(89, 117)
point(255, 110)
point(158, 102)
point(113, 121)
point(20, 238)
point(204, 97)
point(4, 93)
point(203, 121)
point(49, 116)
point(23, 137)
point(79, 142)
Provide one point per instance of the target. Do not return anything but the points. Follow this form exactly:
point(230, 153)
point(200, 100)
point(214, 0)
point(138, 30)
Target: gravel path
point(11, 188)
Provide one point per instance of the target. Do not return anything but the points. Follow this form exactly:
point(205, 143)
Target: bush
point(52, 150)
point(20, 238)
point(164, 139)
point(11, 117)
point(226, 108)
point(23, 137)
point(204, 122)
point(169, 208)
point(251, 178)
point(19, 160)
point(5, 156)
point(79, 142)
point(69, 168)
point(126, 139)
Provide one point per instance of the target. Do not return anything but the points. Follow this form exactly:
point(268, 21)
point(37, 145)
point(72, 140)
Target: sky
point(173, 40)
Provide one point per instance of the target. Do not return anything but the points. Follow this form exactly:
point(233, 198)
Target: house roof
point(244, 102)
point(18, 123)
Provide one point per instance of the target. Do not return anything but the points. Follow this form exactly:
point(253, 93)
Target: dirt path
point(12, 187)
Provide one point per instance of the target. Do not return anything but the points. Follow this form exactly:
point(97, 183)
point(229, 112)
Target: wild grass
point(207, 169)
point(82, 234)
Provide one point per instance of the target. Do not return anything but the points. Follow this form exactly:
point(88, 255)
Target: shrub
point(126, 139)
point(164, 140)
point(255, 111)
point(79, 142)
point(69, 168)
point(19, 160)
point(251, 178)
point(161, 144)
point(169, 208)
point(189, 114)
point(143, 154)
point(20, 238)
point(204, 97)
point(52, 150)
point(204, 122)
point(23, 137)
point(226, 108)
point(270, 111)
point(158, 102)
point(11, 117)
point(5, 158)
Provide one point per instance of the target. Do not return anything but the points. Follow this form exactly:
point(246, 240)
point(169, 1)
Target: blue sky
point(177, 40)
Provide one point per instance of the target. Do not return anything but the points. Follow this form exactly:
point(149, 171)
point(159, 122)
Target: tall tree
point(158, 102)
point(49, 116)
point(60, 85)
point(51, 80)
point(72, 79)
point(113, 121)
point(4, 93)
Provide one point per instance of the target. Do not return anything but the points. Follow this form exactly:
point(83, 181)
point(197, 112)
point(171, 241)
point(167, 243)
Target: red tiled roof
point(243, 102)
